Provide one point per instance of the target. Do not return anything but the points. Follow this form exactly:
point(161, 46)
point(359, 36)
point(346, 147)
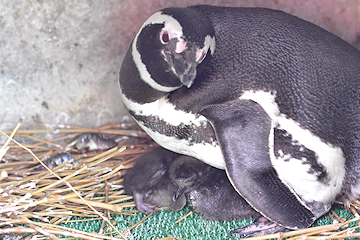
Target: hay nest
point(50, 174)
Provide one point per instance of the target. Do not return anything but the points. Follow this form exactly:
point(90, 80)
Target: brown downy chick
point(208, 190)
point(210, 194)
point(148, 181)
point(187, 173)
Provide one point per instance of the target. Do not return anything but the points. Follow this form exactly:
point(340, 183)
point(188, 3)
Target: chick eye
point(164, 37)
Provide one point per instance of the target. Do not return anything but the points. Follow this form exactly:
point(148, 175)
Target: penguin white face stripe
point(165, 111)
point(210, 43)
point(170, 23)
point(291, 171)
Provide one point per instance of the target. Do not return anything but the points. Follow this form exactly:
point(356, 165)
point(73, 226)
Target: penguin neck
point(138, 91)
point(136, 83)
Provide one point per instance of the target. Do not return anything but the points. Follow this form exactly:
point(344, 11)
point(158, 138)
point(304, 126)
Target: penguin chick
point(162, 195)
point(170, 180)
point(148, 181)
point(208, 190)
point(210, 194)
point(187, 173)
point(216, 199)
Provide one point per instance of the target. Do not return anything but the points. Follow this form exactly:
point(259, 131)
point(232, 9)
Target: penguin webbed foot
point(142, 206)
point(261, 226)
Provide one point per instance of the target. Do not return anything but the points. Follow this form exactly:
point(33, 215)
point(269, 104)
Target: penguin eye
point(202, 57)
point(164, 37)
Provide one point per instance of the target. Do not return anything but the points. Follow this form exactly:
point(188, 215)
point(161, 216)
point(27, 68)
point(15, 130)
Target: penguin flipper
point(242, 128)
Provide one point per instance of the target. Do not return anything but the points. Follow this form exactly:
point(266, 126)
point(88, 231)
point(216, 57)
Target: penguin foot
point(142, 206)
point(261, 226)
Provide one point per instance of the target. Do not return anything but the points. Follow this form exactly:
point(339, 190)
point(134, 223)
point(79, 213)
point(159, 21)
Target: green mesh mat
point(194, 227)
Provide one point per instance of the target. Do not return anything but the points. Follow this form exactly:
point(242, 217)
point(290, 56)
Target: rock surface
point(59, 60)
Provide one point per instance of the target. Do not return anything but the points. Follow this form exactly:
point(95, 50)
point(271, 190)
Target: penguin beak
point(178, 192)
point(183, 63)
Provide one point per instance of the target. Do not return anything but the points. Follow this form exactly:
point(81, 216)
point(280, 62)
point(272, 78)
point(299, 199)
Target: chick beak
point(178, 192)
point(183, 59)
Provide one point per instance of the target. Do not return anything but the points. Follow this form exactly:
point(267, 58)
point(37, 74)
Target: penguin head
point(187, 173)
point(172, 45)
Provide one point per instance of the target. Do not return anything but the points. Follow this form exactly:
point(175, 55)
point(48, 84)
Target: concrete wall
point(59, 60)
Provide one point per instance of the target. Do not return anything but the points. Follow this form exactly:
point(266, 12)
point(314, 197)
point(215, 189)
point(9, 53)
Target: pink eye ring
point(200, 55)
point(164, 37)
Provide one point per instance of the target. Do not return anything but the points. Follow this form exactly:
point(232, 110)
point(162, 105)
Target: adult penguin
point(272, 99)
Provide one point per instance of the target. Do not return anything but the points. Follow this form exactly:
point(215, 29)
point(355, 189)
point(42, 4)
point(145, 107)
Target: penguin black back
point(311, 73)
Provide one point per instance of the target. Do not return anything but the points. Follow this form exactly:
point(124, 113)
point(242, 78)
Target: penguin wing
point(242, 129)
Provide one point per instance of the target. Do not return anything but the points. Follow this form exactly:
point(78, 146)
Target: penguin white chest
point(179, 131)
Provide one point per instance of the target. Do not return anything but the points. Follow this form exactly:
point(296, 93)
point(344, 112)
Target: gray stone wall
point(59, 60)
